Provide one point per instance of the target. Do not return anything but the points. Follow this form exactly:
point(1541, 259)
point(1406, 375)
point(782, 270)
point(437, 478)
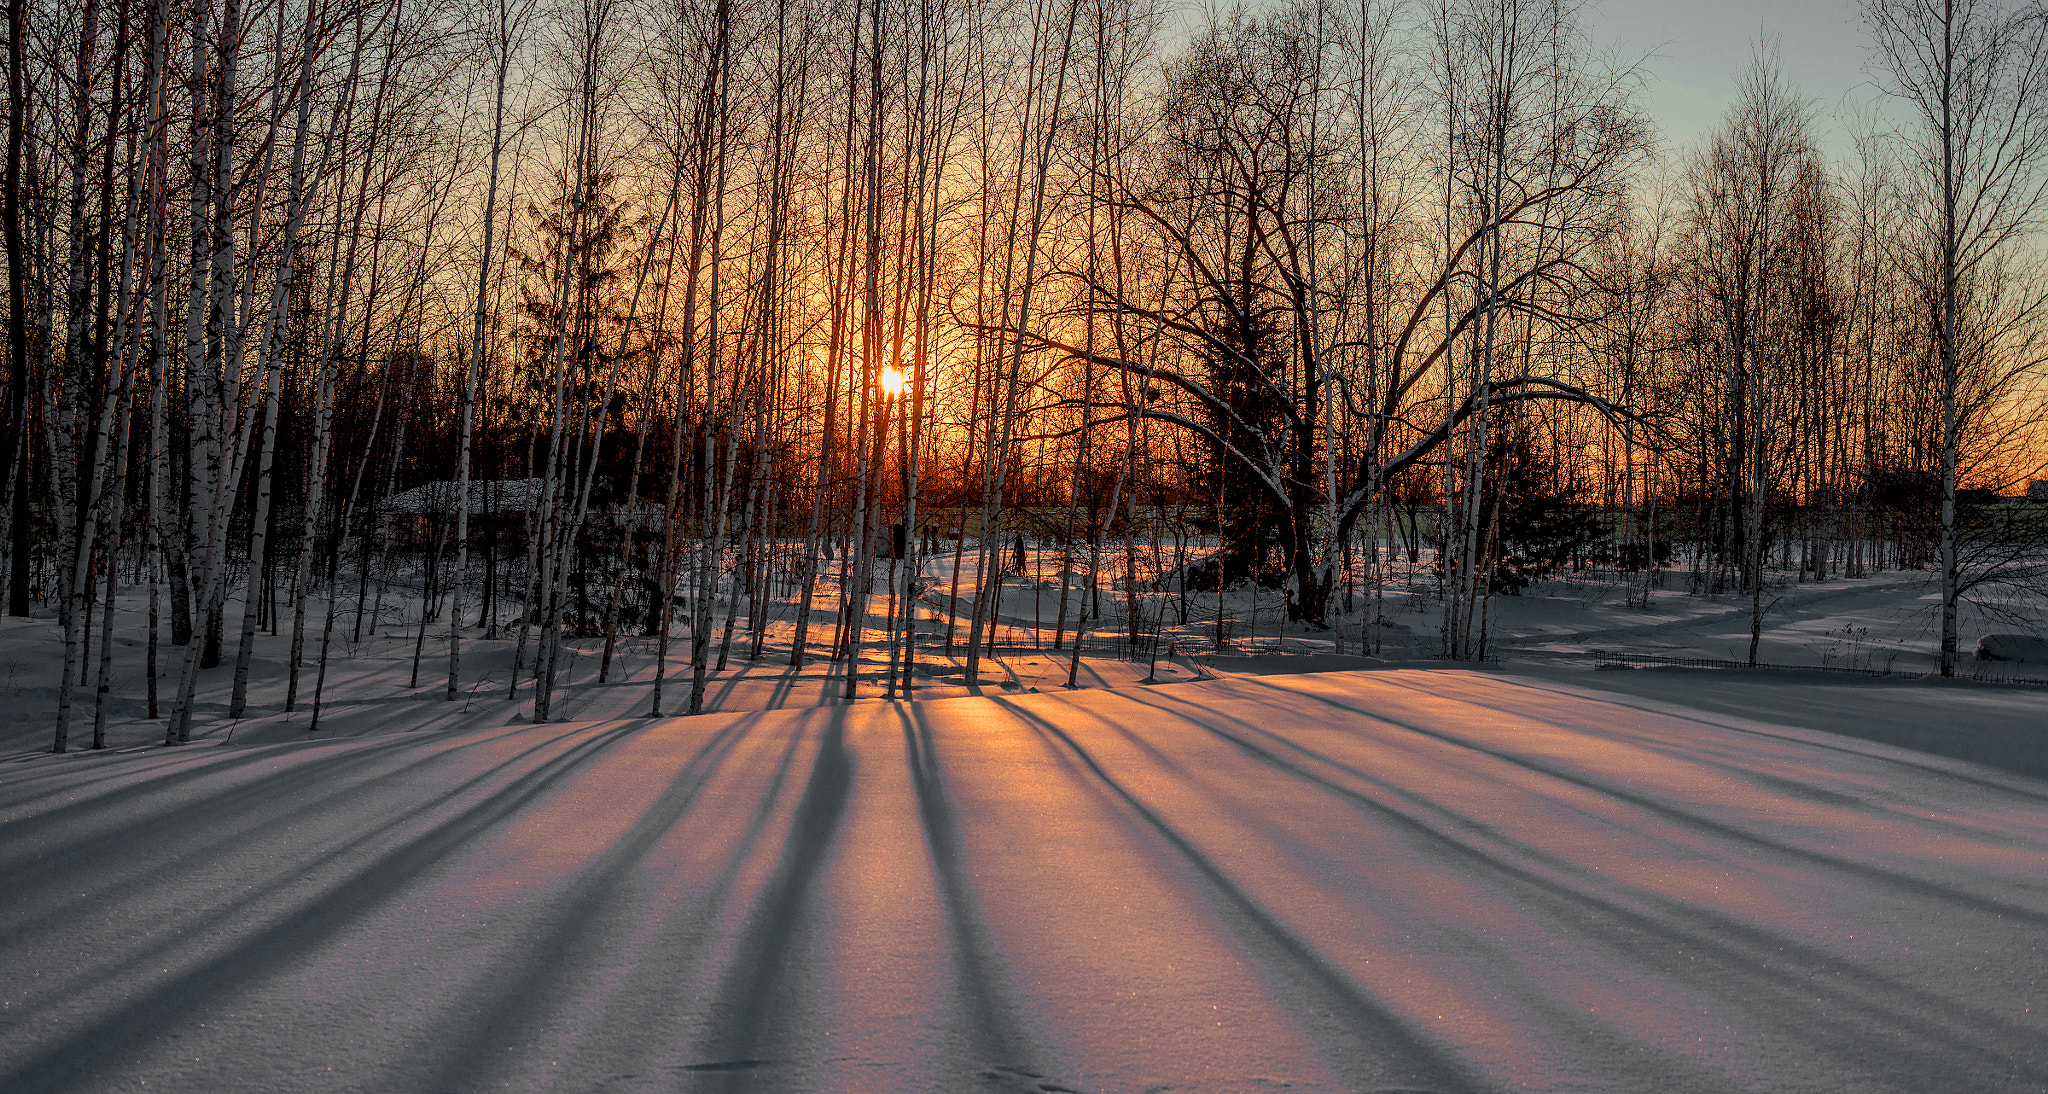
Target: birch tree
point(1973, 75)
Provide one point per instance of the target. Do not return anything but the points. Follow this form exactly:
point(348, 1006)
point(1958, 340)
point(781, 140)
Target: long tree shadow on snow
point(73, 1062)
point(513, 1001)
point(1870, 1016)
point(1688, 819)
point(169, 768)
point(245, 806)
point(1687, 752)
point(2019, 750)
point(1362, 1038)
point(743, 1033)
point(991, 1015)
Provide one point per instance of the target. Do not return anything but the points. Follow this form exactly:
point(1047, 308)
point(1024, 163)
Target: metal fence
point(1611, 657)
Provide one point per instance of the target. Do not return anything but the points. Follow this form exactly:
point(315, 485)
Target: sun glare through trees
point(591, 421)
point(727, 322)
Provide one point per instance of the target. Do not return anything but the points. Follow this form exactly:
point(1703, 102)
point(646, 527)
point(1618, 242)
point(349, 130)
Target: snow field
point(1882, 621)
point(1420, 881)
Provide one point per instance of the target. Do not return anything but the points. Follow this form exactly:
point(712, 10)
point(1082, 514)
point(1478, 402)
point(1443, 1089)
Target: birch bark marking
point(713, 526)
point(503, 46)
point(1975, 74)
point(270, 352)
point(16, 247)
point(1000, 465)
point(76, 517)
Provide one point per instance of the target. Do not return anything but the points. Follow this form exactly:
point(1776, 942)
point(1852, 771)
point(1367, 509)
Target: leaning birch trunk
point(635, 513)
point(225, 324)
point(1116, 491)
point(997, 471)
point(476, 353)
point(672, 537)
point(574, 495)
point(461, 571)
point(122, 339)
point(529, 564)
point(118, 349)
point(1079, 480)
point(672, 530)
point(932, 158)
point(560, 536)
point(834, 345)
point(333, 321)
point(809, 572)
point(156, 137)
point(547, 518)
point(854, 598)
point(710, 545)
point(593, 432)
point(348, 510)
point(748, 542)
point(913, 440)
point(857, 573)
point(713, 548)
point(1759, 471)
point(715, 545)
point(635, 526)
point(211, 378)
point(115, 494)
point(270, 366)
point(259, 548)
point(77, 520)
point(316, 488)
point(153, 523)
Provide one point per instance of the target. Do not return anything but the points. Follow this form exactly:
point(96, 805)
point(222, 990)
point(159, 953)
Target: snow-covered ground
point(1888, 621)
point(1395, 880)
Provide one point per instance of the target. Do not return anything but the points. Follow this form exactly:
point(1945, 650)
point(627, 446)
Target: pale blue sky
point(1698, 50)
point(1694, 52)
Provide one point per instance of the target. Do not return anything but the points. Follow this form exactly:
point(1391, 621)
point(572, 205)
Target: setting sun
point(892, 381)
